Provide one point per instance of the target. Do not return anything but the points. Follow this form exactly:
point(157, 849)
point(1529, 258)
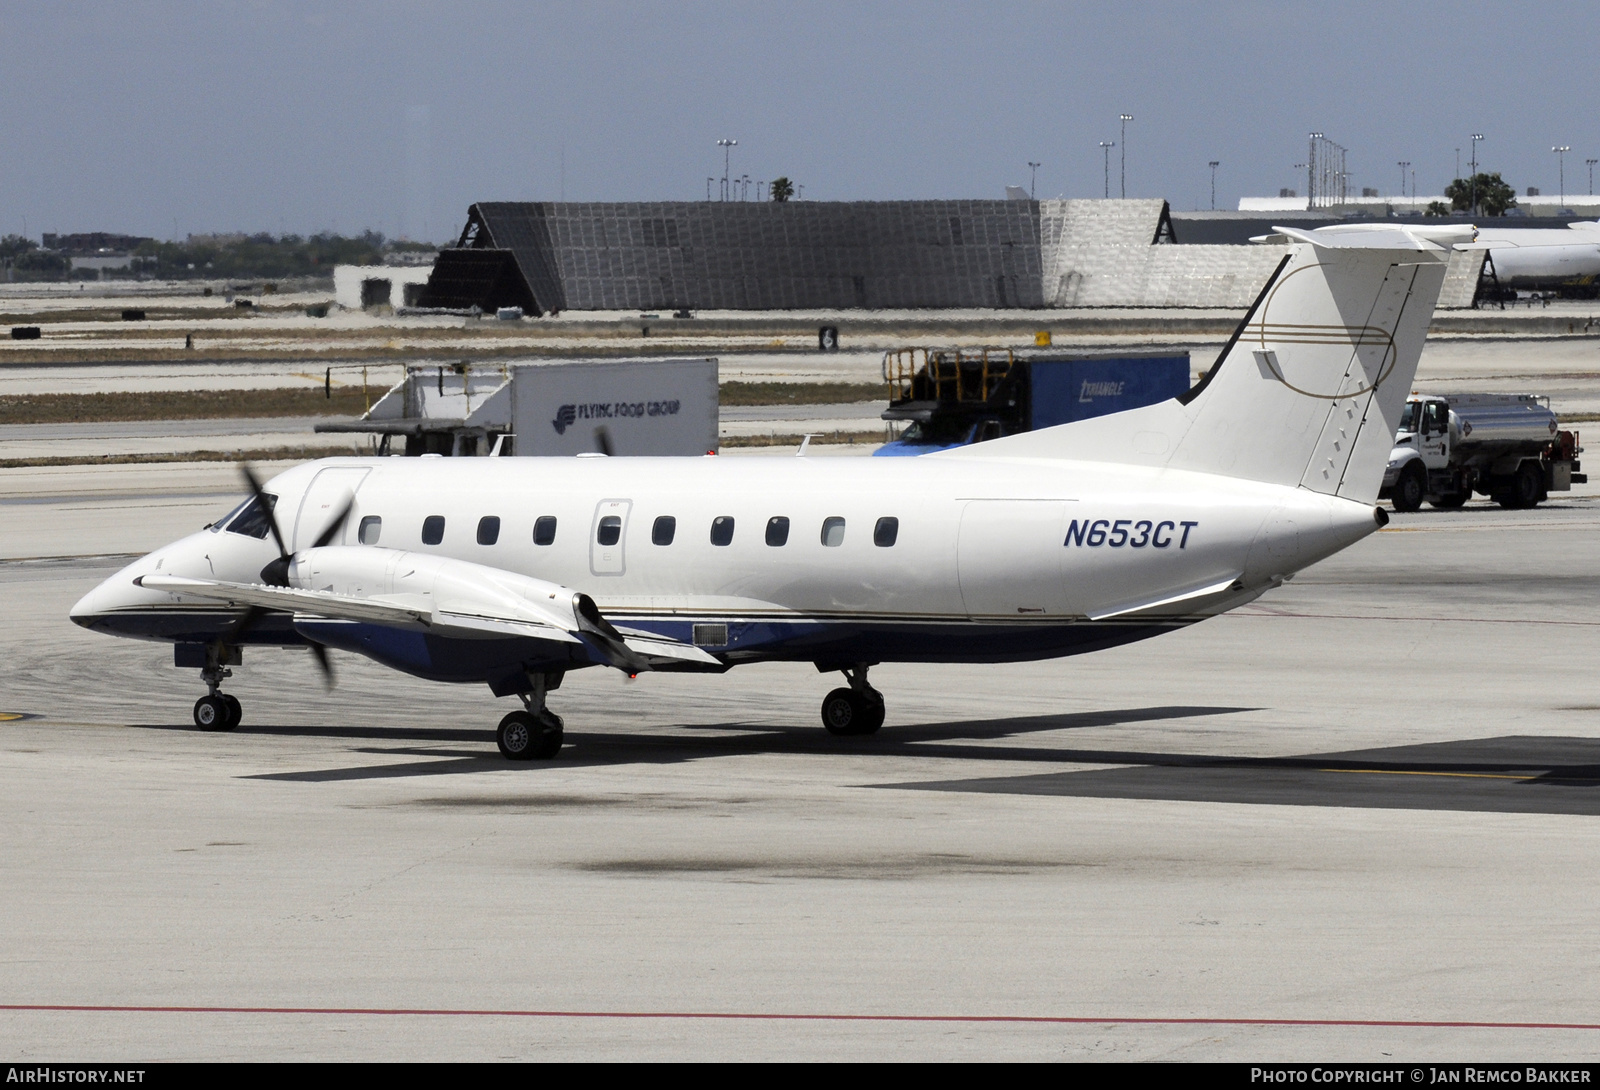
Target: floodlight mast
point(1106, 146)
point(1213, 164)
point(1033, 178)
point(1472, 185)
point(1561, 152)
point(727, 147)
point(1591, 163)
point(1125, 118)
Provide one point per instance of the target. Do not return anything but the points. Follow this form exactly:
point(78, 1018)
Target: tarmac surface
point(1322, 826)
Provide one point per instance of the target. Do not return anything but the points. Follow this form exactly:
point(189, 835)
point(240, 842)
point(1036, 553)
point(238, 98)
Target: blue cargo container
point(950, 402)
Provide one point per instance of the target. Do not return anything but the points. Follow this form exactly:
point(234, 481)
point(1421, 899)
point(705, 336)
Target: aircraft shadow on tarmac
point(1512, 774)
point(946, 740)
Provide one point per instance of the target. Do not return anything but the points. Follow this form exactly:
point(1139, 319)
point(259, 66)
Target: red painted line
point(1259, 613)
point(777, 1017)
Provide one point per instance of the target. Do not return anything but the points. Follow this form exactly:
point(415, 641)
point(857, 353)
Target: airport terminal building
point(846, 255)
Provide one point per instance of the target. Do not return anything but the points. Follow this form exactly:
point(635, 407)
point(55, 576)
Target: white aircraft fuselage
point(1534, 256)
point(989, 561)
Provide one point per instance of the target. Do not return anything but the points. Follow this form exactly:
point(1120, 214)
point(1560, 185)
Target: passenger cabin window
point(833, 532)
point(488, 529)
point(433, 529)
point(371, 527)
point(661, 533)
point(610, 530)
point(255, 518)
point(885, 532)
point(544, 530)
point(777, 531)
point(722, 530)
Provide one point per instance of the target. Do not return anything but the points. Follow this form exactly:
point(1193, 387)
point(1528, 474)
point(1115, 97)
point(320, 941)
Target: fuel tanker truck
point(1508, 447)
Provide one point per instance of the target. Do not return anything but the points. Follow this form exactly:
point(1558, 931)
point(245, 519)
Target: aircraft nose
point(94, 608)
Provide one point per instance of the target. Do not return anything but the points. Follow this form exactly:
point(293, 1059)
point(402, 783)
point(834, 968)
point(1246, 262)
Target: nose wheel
point(216, 710)
point(856, 710)
point(219, 711)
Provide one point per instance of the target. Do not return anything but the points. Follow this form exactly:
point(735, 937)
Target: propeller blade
point(241, 624)
point(320, 653)
point(602, 441)
point(261, 497)
point(335, 527)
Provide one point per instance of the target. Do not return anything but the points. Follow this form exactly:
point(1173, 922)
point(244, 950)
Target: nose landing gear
point(854, 711)
point(217, 710)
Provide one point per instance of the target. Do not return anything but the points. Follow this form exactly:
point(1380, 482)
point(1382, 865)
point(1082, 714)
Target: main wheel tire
point(1527, 488)
point(523, 736)
point(843, 713)
point(235, 710)
point(547, 740)
point(1409, 488)
point(211, 713)
point(1450, 500)
point(872, 713)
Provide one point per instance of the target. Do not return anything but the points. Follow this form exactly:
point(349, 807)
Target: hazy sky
point(171, 118)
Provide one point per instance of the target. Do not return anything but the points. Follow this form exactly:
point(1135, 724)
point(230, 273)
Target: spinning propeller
point(276, 573)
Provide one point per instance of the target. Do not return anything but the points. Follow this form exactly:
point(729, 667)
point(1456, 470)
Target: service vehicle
point(1509, 447)
point(953, 398)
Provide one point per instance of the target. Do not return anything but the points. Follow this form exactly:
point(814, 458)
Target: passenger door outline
point(608, 559)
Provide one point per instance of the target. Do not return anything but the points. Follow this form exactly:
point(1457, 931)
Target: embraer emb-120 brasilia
point(513, 571)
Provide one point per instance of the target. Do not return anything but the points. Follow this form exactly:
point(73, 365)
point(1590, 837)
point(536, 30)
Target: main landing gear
point(217, 710)
point(856, 710)
point(533, 734)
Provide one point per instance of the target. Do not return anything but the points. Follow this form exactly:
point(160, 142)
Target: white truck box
point(624, 407)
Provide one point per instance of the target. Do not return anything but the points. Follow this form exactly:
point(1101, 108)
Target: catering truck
point(954, 397)
point(1508, 447)
point(645, 406)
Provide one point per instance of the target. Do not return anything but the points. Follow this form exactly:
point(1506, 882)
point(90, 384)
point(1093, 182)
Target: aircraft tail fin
point(1308, 391)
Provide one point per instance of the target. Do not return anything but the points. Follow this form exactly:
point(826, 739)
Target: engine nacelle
point(438, 584)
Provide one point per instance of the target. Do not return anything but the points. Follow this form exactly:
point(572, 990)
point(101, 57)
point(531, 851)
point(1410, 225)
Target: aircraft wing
point(345, 607)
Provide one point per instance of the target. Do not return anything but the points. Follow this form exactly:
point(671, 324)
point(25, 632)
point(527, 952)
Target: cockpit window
point(216, 527)
point(254, 518)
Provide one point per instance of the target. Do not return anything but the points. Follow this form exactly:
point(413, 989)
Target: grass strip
point(184, 405)
point(802, 393)
point(346, 401)
point(277, 454)
point(832, 437)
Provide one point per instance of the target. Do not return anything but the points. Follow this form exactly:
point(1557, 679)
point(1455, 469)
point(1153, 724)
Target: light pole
point(1311, 169)
point(1125, 118)
point(1033, 177)
point(1472, 208)
point(1561, 154)
point(1591, 163)
point(1213, 164)
point(1106, 146)
point(1404, 166)
point(708, 187)
point(727, 147)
